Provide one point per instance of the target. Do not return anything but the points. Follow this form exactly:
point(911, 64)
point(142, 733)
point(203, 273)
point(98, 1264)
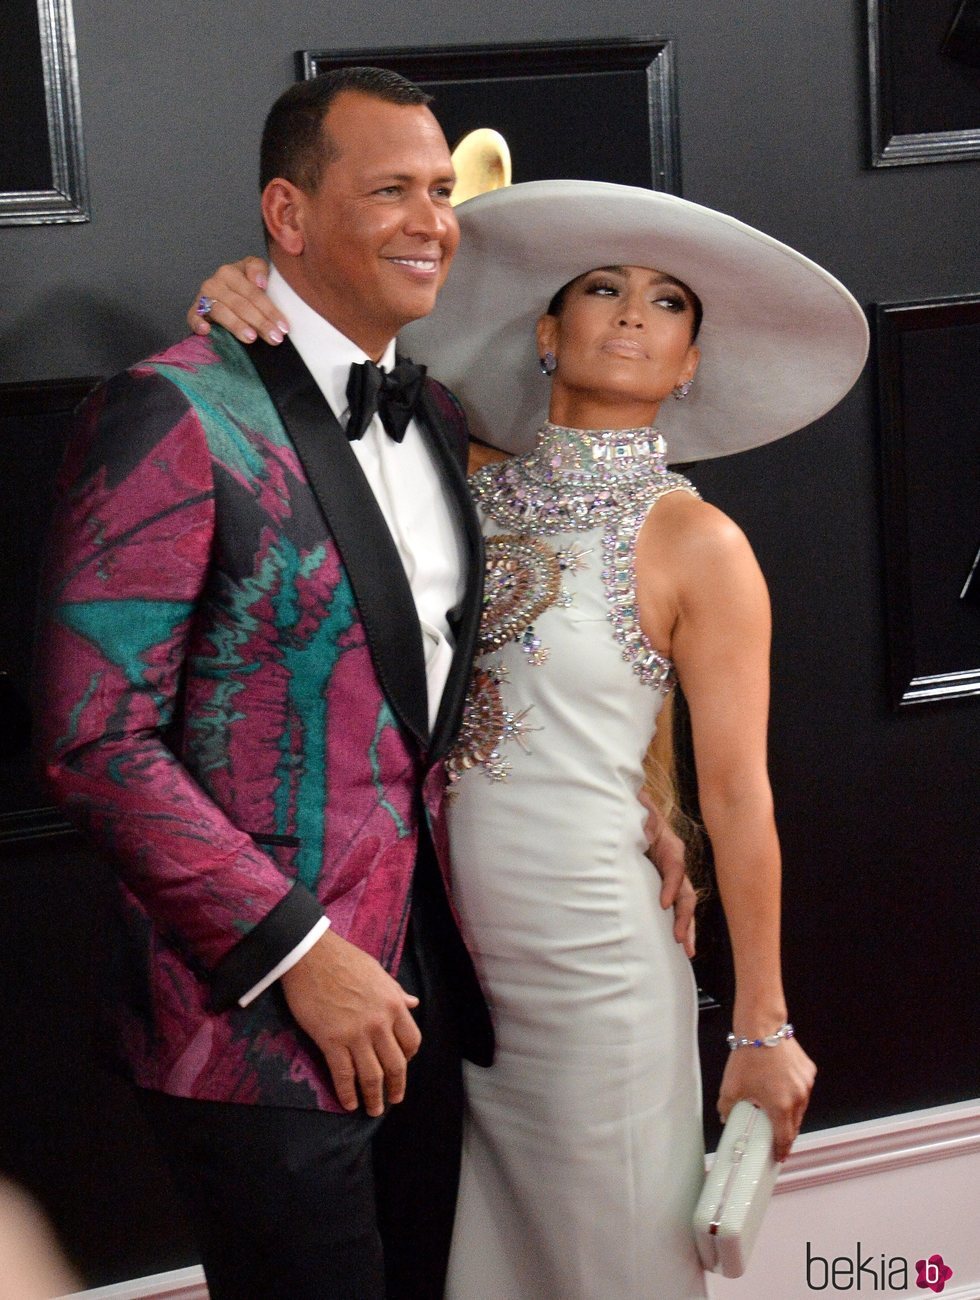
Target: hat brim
point(782, 340)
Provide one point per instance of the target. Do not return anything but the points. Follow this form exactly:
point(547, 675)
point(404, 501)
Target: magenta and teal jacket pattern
point(231, 699)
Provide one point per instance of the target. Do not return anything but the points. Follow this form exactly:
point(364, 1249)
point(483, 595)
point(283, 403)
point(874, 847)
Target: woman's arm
point(239, 303)
point(703, 600)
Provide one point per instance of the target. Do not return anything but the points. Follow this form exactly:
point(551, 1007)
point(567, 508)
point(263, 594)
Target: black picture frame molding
point(36, 414)
point(650, 57)
point(889, 146)
point(928, 353)
point(66, 200)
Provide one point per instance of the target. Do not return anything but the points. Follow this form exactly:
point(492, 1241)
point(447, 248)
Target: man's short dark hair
point(293, 143)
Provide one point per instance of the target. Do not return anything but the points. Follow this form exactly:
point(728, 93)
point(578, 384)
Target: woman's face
point(622, 341)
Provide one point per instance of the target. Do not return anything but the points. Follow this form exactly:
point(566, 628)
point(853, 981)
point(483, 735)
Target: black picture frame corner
point(928, 354)
point(646, 63)
point(63, 196)
point(912, 64)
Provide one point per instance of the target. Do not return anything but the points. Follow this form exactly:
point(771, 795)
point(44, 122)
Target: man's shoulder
point(192, 363)
point(190, 352)
point(213, 360)
point(125, 422)
point(205, 387)
point(446, 403)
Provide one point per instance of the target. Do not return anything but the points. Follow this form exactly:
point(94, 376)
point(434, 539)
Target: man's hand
point(358, 1016)
point(666, 852)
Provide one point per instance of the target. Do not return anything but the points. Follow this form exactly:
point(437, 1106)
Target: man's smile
point(423, 265)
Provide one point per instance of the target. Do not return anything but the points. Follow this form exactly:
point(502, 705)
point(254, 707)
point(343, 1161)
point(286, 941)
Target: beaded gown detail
point(583, 1153)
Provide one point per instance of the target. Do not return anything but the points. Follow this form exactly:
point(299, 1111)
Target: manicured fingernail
point(283, 325)
point(275, 336)
point(249, 335)
point(262, 282)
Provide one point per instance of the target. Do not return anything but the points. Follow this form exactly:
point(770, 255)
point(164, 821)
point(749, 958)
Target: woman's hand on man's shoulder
point(235, 297)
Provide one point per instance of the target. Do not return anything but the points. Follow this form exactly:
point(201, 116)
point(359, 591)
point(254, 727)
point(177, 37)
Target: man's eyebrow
point(408, 177)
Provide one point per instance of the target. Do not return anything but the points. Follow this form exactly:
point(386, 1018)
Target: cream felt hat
point(782, 341)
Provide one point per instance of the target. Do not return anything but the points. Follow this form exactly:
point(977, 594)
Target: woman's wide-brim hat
point(781, 343)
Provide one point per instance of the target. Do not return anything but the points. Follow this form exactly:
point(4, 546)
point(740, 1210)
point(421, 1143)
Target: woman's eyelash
point(674, 302)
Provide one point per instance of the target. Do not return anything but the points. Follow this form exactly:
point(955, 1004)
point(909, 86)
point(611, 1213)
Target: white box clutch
point(736, 1192)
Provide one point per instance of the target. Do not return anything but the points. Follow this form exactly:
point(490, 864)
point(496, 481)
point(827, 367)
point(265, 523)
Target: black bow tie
point(393, 396)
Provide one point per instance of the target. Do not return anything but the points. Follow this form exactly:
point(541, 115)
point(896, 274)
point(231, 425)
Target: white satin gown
point(583, 1153)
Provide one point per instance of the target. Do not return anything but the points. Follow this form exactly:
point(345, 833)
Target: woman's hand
point(779, 1079)
point(240, 303)
point(666, 852)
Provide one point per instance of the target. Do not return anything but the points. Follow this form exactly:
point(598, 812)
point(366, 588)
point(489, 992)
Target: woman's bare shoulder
point(691, 530)
point(694, 563)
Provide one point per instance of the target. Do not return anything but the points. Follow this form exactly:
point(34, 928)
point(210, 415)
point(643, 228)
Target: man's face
point(378, 233)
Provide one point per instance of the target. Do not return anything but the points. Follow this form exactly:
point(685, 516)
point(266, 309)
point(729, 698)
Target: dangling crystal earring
point(548, 363)
point(682, 390)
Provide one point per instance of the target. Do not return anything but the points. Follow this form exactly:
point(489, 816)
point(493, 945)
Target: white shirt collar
point(326, 352)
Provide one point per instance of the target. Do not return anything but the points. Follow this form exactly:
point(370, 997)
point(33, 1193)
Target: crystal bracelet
point(770, 1040)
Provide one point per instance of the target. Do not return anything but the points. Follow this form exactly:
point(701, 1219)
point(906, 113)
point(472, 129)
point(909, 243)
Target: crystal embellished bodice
point(539, 511)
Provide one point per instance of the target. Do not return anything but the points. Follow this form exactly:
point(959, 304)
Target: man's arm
point(127, 563)
point(127, 560)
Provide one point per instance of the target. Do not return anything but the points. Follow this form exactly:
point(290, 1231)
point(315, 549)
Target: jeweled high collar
point(576, 479)
point(563, 454)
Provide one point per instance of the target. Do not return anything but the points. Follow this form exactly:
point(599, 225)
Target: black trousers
point(306, 1205)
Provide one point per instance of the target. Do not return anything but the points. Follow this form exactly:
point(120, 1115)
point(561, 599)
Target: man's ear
point(282, 207)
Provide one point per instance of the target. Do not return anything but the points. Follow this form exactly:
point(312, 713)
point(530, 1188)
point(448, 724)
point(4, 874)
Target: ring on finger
point(204, 304)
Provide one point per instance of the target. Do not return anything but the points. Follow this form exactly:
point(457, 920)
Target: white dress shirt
point(406, 483)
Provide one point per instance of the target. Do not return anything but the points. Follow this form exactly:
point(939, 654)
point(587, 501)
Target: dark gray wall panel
point(877, 809)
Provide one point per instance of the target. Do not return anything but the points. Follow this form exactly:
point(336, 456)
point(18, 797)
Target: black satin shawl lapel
point(375, 569)
point(466, 617)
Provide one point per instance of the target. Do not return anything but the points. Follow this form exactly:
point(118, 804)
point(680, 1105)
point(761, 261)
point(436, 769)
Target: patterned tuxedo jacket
point(231, 699)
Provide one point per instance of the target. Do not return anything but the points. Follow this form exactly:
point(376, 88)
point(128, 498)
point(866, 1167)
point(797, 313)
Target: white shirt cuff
point(290, 960)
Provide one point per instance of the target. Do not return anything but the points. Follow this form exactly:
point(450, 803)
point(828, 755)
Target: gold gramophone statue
point(482, 162)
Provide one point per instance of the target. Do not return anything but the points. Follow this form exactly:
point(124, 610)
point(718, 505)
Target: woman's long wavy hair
point(661, 782)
